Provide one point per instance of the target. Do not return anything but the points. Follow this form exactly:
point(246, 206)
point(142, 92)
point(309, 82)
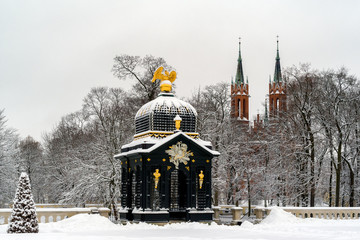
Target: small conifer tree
point(23, 217)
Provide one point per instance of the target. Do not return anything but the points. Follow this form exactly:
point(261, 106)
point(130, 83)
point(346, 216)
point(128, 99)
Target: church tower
point(240, 94)
point(277, 89)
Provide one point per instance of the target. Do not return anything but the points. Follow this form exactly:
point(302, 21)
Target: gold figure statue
point(156, 177)
point(166, 79)
point(201, 178)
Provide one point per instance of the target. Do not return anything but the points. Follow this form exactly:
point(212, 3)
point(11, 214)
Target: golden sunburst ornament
point(179, 154)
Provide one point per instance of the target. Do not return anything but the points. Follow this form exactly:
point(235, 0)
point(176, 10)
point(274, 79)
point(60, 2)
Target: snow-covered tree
point(79, 152)
point(31, 161)
point(8, 156)
point(23, 218)
point(212, 106)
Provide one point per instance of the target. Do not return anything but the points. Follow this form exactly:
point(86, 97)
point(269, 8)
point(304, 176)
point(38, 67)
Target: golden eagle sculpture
point(166, 79)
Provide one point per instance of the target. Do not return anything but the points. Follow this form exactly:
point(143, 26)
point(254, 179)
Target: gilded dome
point(158, 115)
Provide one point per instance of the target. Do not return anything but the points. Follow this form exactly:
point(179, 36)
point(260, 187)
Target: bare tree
point(8, 160)
point(85, 143)
point(31, 162)
point(339, 120)
point(303, 95)
point(142, 70)
point(212, 105)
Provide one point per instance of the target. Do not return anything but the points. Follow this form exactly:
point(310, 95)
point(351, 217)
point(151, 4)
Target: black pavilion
point(166, 169)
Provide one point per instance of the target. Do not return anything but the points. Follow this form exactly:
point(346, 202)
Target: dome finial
point(166, 79)
point(177, 121)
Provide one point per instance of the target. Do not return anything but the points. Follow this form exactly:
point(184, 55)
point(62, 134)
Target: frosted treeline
point(307, 156)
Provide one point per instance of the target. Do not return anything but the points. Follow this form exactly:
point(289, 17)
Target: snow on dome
point(159, 114)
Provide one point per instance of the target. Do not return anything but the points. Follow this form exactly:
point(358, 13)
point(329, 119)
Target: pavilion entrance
point(178, 195)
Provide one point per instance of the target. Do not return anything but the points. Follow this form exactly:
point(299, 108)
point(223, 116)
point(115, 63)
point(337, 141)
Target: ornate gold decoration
point(125, 162)
point(161, 135)
point(148, 159)
point(166, 80)
point(194, 136)
point(207, 161)
point(179, 154)
point(201, 179)
point(168, 168)
point(135, 160)
point(129, 169)
point(164, 160)
point(193, 160)
point(140, 159)
point(188, 168)
point(156, 177)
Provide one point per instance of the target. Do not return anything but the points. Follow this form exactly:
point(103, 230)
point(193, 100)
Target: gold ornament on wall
point(157, 176)
point(179, 154)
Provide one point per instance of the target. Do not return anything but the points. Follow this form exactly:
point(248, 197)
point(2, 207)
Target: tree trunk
point(352, 189)
point(249, 197)
point(216, 196)
point(338, 172)
point(330, 184)
point(312, 171)
point(337, 186)
point(337, 183)
point(351, 184)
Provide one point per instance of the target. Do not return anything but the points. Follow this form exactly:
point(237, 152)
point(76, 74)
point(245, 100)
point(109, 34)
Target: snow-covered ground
point(278, 225)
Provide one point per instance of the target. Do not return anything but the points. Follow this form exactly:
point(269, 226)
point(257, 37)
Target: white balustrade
point(314, 212)
point(46, 215)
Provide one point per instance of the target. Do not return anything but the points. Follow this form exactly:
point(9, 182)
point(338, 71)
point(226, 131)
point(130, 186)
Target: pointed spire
point(277, 74)
point(277, 48)
point(239, 79)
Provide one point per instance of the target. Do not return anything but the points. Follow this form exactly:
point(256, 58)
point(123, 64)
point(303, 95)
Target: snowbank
point(279, 225)
point(278, 216)
point(79, 223)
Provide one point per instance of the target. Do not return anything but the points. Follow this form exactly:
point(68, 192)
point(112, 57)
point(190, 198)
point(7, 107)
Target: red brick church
point(240, 95)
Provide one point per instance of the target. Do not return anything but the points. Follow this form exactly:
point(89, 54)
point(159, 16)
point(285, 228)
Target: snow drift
point(79, 223)
point(279, 216)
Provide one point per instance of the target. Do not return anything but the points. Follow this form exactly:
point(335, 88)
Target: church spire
point(240, 94)
point(277, 74)
point(239, 79)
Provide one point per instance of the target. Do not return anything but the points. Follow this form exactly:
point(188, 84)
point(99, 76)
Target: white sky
point(53, 52)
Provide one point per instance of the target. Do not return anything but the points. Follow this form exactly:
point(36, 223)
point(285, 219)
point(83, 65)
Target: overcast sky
point(53, 52)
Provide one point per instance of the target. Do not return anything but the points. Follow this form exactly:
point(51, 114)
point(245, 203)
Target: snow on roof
point(148, 139)
point(160, 142)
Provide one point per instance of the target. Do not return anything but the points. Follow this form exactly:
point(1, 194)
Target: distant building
point(277, 89)
point(263, 127)
point(240, 95)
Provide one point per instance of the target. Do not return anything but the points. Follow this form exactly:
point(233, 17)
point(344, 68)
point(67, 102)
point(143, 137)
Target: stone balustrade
point(314, 212)
point(226, 209)
point(245, 209)
point(235, 212)
point(46, 215)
